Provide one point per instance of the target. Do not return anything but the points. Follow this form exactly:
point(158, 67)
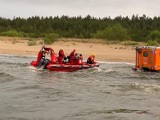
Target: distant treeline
point(136, 28)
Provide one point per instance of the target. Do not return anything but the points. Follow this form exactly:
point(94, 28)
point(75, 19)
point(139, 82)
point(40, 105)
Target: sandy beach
point(103, 51)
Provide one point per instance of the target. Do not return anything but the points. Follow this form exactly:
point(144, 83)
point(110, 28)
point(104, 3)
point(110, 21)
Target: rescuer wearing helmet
point(90, 60)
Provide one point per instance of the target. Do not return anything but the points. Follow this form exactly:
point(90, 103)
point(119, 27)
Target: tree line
point(136, 28)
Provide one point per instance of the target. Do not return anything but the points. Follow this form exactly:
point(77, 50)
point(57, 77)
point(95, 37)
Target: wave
point(5, 77)
point(145, 87)
point(115, 111)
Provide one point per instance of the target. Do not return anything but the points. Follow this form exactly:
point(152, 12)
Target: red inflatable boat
point(69, 67)
point(68, 64)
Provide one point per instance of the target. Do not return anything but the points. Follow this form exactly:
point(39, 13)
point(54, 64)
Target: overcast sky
point(95, 8)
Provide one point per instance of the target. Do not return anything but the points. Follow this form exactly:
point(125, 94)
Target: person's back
point(61, 56)
point(72, 57)
point(90, 60)
point(61, 53)
point(73, 53)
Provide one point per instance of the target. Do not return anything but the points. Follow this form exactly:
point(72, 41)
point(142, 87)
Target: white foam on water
point(147, 87)
point(115, 62)
point(98, 69)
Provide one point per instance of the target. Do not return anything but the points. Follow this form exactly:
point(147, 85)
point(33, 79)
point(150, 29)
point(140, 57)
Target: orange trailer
point(148, 58)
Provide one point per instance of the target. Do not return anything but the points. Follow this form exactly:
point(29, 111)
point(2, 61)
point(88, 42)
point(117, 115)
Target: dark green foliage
point(12, 33)
point(152, 43)
point(50, 38)
point(137, 28)
point(116, 32)
point(154, 35)
point(100, 34)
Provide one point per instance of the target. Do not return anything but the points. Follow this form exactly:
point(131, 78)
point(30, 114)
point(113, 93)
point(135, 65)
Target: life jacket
point(79, 61)
point(61, 56)
point(61, 53)
point(72, 53)
point(72, 57)
point(60, 59)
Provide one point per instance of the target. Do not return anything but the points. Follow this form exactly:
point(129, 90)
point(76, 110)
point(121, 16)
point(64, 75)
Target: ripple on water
point(145, 87)
point(113, 91)
point(4, 77)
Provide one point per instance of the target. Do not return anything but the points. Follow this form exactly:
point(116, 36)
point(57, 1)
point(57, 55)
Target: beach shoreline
point(104, 52)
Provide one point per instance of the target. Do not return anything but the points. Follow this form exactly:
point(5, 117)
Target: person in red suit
point(53, 56)
point(41, 59)
point(72, 56)
point(90, 60)
point(41, 54)
point(61, 56)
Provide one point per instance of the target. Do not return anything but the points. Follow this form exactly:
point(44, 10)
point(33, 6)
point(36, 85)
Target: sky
point(95, 8)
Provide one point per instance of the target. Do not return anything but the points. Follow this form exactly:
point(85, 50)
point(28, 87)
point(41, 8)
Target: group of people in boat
point(73, 59)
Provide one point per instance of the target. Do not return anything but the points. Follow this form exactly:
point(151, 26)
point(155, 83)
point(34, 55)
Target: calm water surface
point(111, 92)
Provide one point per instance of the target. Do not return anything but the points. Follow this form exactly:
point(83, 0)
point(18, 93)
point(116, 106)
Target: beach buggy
point(147, 58)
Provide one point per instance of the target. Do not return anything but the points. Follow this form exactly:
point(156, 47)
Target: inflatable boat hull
point(69, 67)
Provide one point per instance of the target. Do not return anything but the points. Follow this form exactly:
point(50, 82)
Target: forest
point(135, 28)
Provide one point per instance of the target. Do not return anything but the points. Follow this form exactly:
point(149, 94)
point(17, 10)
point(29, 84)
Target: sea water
point(111, 92)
